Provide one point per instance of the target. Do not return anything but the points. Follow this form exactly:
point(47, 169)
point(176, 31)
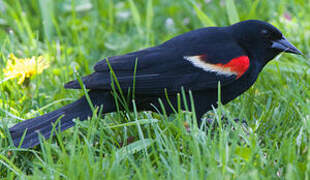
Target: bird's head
point(261, 39)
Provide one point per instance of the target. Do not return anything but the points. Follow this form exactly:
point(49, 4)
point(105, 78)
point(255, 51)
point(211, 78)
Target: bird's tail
point(43, 125)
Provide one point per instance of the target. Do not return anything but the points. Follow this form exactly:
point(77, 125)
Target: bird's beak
point(285, 46)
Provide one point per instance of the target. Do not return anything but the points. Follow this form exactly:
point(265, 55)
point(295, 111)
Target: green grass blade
point(10, 165)
point(252, 14)
point(232, 12)
point(132, 148)
point(149, 19)
point(205, 20)
point(136, 15)
point(46, 8)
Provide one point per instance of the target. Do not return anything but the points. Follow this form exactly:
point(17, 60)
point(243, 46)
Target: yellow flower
point(24, 68)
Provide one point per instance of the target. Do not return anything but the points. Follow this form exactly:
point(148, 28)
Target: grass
point(74, 35)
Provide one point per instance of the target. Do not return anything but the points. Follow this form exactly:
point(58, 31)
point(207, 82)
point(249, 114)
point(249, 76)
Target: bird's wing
point(171, 67)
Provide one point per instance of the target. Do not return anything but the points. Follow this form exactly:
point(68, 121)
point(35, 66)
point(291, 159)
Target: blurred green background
point(73, 35)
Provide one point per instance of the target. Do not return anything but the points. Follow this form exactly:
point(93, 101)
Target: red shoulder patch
point(238, 65)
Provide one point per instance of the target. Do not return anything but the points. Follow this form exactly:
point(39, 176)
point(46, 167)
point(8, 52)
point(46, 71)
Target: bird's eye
point(265, 33)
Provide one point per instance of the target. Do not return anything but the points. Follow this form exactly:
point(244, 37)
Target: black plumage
point(196, 61)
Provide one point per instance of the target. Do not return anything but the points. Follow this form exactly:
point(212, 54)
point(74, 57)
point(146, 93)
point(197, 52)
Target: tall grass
point(143, 145)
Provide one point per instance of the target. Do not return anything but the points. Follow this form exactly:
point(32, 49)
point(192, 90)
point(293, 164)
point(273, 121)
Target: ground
point(73, 35)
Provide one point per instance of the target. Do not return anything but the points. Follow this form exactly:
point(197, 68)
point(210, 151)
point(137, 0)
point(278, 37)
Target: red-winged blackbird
point(196, 61)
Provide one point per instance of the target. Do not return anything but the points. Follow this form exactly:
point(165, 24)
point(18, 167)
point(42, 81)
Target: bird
point(195, 62)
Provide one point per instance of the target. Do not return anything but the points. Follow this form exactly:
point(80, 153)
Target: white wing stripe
point(196, 61)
